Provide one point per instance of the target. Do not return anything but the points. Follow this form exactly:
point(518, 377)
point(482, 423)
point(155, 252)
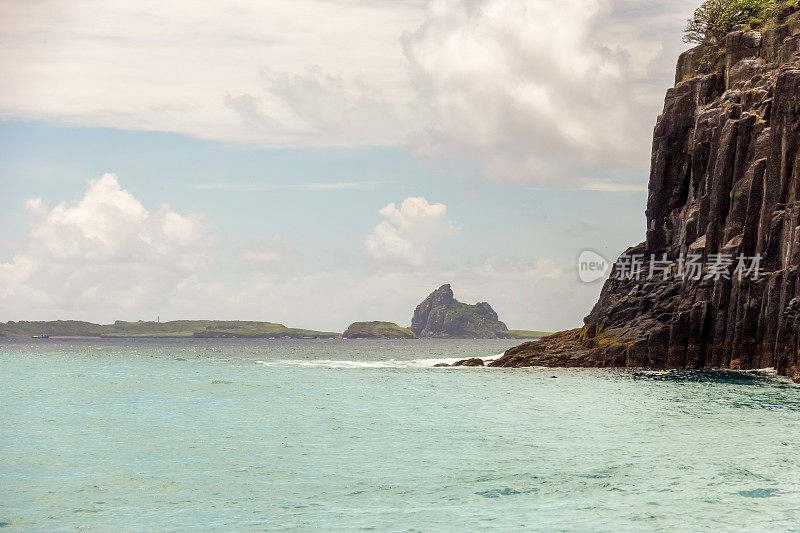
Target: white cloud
point(533, 90)
point(536, 90)
point(106, 256)
point(106, 249)
point(406, 235)
point(279, 73)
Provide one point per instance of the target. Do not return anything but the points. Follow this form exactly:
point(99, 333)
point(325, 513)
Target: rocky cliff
point(724, 184)
point(442, 316)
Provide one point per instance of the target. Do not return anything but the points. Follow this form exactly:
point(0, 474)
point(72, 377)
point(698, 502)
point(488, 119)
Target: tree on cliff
point(715, 18)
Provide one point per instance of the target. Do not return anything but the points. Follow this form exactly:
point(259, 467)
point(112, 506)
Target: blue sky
point(251, 192)
point(342, 185)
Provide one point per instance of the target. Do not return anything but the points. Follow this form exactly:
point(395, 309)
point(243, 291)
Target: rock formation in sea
point(475, 361)
point(724, 183)
point(377, 330)
point(440, 315)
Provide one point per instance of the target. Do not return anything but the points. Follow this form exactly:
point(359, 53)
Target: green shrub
point(706, 63)
point(715, 18)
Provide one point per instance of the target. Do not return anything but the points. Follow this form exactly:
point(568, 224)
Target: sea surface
point(249, 435)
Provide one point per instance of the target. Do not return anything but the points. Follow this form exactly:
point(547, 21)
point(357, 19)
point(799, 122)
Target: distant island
point(377, 330)
point(441, 316)
point(176, 328)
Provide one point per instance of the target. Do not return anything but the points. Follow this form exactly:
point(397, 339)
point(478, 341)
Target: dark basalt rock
point(442, 316)
point(469, 362)
point(725, 178)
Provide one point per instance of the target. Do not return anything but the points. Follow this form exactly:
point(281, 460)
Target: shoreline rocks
point(475, 361)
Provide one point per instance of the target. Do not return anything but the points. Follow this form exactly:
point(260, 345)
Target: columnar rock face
point(442, 316)
point(725, 179)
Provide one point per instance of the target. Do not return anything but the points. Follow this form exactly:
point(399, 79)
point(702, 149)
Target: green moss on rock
point(377, 330)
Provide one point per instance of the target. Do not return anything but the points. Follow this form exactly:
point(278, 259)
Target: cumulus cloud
point(109, 226)
point(106, 249)
point(278, 73)
point(533, 90)
point(537, 90)
point(106, 256)
point(406, 235)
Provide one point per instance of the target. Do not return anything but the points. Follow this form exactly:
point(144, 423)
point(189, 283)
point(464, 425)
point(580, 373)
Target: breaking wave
point(390, 363)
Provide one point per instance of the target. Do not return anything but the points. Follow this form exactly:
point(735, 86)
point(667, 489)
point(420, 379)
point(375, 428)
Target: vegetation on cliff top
point(377, 330)
point(716, 18)
point(177, 328)
point(713, 20)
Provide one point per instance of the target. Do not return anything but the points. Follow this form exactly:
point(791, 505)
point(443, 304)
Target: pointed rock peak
point(443, 295)
point(442, 316)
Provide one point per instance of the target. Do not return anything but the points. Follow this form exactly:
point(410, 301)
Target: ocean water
point(173, 435)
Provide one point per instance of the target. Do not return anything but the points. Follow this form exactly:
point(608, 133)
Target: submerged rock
point(469, 362)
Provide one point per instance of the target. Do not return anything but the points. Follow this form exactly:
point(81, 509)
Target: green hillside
point(176, 328)
point(377, 330)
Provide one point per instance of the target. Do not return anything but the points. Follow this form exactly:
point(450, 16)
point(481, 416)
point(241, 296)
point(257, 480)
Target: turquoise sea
point(234, 435)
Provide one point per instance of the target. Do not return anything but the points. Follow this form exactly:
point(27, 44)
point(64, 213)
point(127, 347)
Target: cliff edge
point(724, 184)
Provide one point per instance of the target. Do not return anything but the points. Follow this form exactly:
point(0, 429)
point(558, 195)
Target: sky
point(319, 162)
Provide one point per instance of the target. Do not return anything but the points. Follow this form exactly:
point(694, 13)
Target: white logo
point(592, 266)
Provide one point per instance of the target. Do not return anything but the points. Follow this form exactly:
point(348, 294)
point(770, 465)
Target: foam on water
point(323, 363)
point(112, 435)
point(391, 363)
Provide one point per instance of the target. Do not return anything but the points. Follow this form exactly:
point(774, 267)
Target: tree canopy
point(715, 18)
